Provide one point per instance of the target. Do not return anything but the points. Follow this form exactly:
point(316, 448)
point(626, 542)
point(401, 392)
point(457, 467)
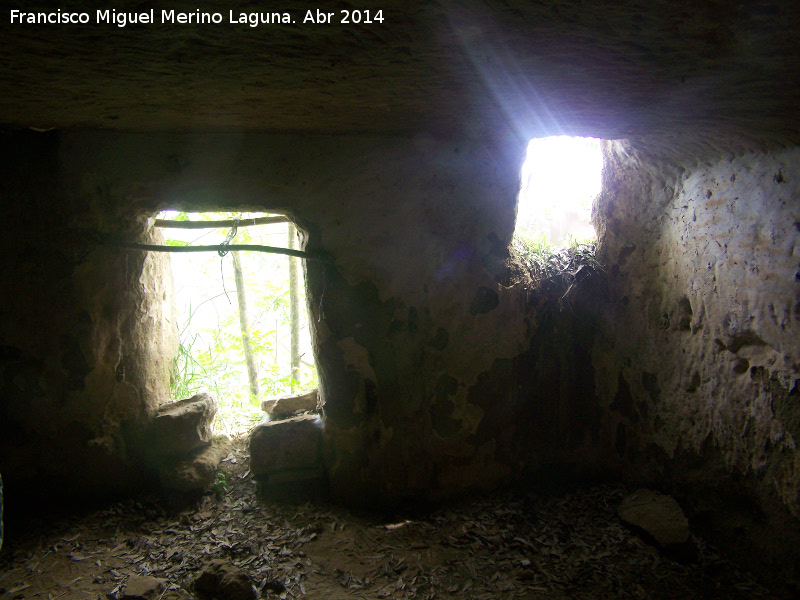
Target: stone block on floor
point(181, 427)
point(280, 448)
point(661, 519)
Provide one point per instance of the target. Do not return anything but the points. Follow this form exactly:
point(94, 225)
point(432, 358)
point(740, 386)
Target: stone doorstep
point(287, 445)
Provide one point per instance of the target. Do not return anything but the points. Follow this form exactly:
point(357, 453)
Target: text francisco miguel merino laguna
point(253, 19)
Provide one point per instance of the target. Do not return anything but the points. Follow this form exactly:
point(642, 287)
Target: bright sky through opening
point(560, 179)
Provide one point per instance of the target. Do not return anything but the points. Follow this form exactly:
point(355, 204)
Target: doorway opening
point(241, 316)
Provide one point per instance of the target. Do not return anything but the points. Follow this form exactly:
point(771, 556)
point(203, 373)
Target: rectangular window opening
point(242, 318)
point(560, 180)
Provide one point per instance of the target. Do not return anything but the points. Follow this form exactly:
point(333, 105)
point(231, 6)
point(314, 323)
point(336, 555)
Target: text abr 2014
point(253, 19)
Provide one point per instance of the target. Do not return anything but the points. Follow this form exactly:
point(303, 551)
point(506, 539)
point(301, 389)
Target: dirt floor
point(508, 546)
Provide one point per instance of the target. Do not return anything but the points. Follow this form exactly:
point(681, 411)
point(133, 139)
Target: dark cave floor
point(512, 545)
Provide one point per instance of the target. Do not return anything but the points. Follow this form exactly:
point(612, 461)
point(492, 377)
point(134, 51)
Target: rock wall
point(441, 370)
point(698, 362)
point(458, 389)
point(424, 339)
point(86, 334)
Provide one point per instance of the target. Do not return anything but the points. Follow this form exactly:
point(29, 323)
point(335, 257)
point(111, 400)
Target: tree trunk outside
point(252, 372)
point(294, 307)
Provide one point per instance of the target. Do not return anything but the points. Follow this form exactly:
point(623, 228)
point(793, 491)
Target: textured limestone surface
point(414, 233)
point(701, 392)
point(397, 150)
point(84, 346)
point(442, 370)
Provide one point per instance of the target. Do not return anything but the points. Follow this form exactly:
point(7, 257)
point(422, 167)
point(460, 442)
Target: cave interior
point(446, 372)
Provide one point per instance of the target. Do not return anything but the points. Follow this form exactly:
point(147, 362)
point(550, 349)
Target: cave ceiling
point(691, 74)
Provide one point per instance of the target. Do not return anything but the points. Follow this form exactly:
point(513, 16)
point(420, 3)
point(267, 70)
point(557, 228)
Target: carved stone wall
point(86, 336)
point(442, 369)
point(698, 364)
